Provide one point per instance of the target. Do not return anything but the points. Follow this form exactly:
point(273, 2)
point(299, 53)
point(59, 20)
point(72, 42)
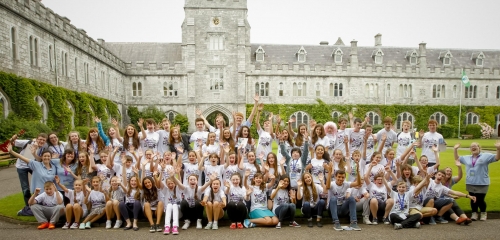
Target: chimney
point(422, 55)
point(378, 40)
point(323, 43)
point(354, 55)
point(100, 41)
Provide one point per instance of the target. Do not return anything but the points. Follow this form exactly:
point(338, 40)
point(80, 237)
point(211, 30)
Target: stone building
point(217, 68)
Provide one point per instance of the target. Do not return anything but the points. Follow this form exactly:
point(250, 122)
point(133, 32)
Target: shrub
point(13, 125)
point(448, 131)
point(182, 121)
point(474, 130)
point(486, 130)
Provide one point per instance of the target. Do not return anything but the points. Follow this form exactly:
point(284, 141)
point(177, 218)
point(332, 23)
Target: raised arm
point(256, 99)
point(367, 173)
point(17, 155)
point(200, 115)
point(386, 185)
point(303, 158)
point(329, 168)
point(92, 167)
point(358, 177)
point(32, 201)
point(459, 167)
point(58, 182)
point(436, 153)
point(289, 123)
point(245, 180)
point(103, 135)
point(116, 125)
point(261, 106)
point(382, 143)
point(141, 125)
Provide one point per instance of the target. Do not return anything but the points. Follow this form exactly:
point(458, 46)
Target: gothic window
point(338, 89)
point(259, 54)
point(331, 90)
point(171, 115)
point(299, 89)
point(301, 55)
point(378, 55)
point(318, 89)
point(76, 69)
point(216, 79)
point(300, 117)
point(33, 48)
point(405, 90)
point(439, 117)
point(337, 54)
point(280, 89)
point(406, 116)
point(471, 118)
point(486, 90)
point(86, 73)
point(455, 92)
point(371, 90)
point(262, 89)
point(498, 92)
point(336, 115)
point(43, 105)
point(374, 118)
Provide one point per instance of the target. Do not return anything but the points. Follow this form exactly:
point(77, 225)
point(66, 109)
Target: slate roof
point(322, 54)
point(147, 52)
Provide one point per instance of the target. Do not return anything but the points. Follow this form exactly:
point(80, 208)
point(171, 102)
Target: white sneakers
point(198, 224)
point(474, 216)
point(108, 224)
point(366, 220)
point(118, 224)
point(483, 216)
point(186, 224)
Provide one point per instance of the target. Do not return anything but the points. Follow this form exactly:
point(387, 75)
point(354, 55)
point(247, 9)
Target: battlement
point(155, 68)
point(216, 4)
point(59, 26)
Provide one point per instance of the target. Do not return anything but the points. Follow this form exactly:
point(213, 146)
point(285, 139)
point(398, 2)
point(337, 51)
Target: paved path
point(9, 184)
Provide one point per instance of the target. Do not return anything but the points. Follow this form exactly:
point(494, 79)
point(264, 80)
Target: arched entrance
point(212, 112)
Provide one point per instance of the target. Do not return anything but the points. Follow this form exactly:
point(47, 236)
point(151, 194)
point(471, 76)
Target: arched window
point(318, 89)
point(331, 90)
point(338, 56)
point(31, 51)
point(4, 105)
point(471, 118)
point(405, 90)
point(134, 89)
point(35, 53)
point(439, 117)
point(336, 115)
point(338, 89)
point(406, 116)
point(471, 91)
point(262, 89)
point(139, 89)
point(374, 118)
point(43, 105)
point(300, 117)
point(280, 89)
point(170, 115)
point(216, 79)
point(76, 69)
point(72, 109)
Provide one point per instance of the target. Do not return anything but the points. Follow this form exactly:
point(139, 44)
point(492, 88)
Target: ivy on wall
point(321, 112)
point(21, 93)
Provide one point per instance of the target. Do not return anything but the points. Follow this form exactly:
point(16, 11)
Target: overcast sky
point(403, 23)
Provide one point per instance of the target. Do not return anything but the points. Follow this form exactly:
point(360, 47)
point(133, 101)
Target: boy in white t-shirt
point(48, 206)
point(338, 203)
point(149, 139)
point(391, 136)
point(200, 134)
point(403, 139)
point(429, 140)
point(163, 136)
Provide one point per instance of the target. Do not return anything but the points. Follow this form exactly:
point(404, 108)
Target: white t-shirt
point(339, 142)
point(430, 170)
point(213, 148)
point(118, 194)
point(435, 190)
point(319, 191)
point(170, 196)
point(203, 135)
point(428, 141)
point(236, 194)
point(164, 171)
point(190, 169)
point(150, 142)
point(119, 171)
point(317, 168)
point(189, 194)
point(230, 170)
point(130, 198)
point(97, 199)
point(217, 133)
point(417, 200)
point(374, 170)
point(321, 141)
point(80, 198)
point(163, 141)
point(209, 170)
point(217, 195)
point(265, 143)
point(258, 199)
point(370, 147)
point(401, 205)
point(338, 191)
point(295, 171)
point(280, 198)
point(377, 192)
point(404, 141)
point(253, 171)
point(391, 138)
point(46, 200)
point(357, 192)
point(356, 141)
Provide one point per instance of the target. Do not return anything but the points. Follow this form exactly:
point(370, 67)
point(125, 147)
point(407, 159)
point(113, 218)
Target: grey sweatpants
point(363, 204)
point(44, 214)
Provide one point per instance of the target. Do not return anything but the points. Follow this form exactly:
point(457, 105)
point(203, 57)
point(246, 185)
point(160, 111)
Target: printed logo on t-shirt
point(378, 195)
point(404, 141)
point(234, 197)
point(431, 193)
point(429, 142)
point(259, 198)
point(281, 200)
point(418, 199)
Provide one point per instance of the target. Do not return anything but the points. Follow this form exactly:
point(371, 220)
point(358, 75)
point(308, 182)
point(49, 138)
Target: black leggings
point(191, 213)
point(409, 222)
point(480, 203)
point(236, 211)
point(127, 209)
point(455, 209)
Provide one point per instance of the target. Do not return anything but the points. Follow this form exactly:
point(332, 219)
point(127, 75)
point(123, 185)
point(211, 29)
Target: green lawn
point(11, 204)
point(486, 144)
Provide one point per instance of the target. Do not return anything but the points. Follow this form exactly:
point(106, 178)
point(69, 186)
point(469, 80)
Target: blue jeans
point(25, 183)
point(349, 206)
point(317, 210)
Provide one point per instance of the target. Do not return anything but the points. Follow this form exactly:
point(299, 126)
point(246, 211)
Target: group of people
point(317, 168)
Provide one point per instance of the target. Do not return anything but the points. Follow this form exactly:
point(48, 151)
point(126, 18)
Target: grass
point(13, 203)
point(486, 144)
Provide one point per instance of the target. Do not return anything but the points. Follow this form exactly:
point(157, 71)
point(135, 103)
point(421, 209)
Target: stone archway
point(212, 112)
point(44, 107)
point(5, 106)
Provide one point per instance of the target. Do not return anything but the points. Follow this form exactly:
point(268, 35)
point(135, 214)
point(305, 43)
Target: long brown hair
point(150, 194)
point(80, 167)
point(240, 135)
point(135, 138)
point(315, 136)
point(307, 194)
point(99, 141)
point(212, 190)
point(63, 157)
point(137, 195)
point(262, 184)
point(230, 140)
point(299, 140)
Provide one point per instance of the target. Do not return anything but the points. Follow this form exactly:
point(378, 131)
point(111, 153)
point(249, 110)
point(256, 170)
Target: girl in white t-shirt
point(271, 168)
point(210, 147)
point(253, 165)
point(257, 195)
point(312, 205)
point(171, 198)
point(284, 199)
point(231, 166)
point(316, 165)
point(148, 164)
point(236, 208)
point(76, 206)
point(116, 195)
point(166, 164)
point(213, 168)
point(244, 133)
point(191, 167)
point(318, 137)
point(153, 202)
point(191, 208)
point(98, 200)
point(133, 197)
point(266, 135)
point(214, 201)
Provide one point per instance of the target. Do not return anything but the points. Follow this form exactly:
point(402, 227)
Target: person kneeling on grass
point(48, 206)
point(338, 204)
point(400, 212)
